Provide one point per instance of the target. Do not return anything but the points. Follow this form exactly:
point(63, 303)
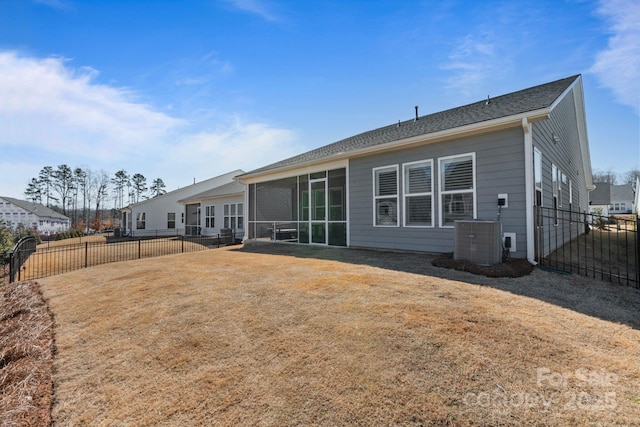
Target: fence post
point(11, 267)
point(182, 239)
point(139, 248)
point(86, 254)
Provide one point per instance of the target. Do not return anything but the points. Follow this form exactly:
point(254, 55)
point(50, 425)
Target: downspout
point(528, 183)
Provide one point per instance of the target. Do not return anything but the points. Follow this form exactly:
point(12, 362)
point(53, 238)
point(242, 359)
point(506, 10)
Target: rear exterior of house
point(404, 186)
point(165, 215)
point(218, 209)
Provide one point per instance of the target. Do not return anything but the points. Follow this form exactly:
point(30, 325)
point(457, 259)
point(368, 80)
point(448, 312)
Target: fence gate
point(606, 248)
point(19, 255)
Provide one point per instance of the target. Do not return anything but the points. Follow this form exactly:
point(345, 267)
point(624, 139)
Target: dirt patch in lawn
point(326, 336)
point(25, 356)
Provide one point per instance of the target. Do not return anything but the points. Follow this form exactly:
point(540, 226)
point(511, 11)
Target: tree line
point(76, 192)
point(608, 175)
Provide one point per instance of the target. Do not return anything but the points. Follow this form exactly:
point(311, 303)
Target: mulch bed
point(26, 347)
point(511, 268)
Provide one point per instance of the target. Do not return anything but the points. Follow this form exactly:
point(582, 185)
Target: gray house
point(610, 199)
point(405, 186)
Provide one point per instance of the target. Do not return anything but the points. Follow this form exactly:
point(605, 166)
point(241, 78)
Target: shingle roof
point(601, 195)
point(523, 101)
point(35, 208)
point(621, 192)
point(223, 190)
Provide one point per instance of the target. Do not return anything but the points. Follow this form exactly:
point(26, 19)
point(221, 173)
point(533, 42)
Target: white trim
point(535, 166)
point(529, 182)
point(441, 182)
point(405, 195)
point(376, 197)
point(298, 169)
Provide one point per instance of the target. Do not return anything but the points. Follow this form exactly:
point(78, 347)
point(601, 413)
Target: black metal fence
point(606, 248)
point(48, 261)
point(19, 255)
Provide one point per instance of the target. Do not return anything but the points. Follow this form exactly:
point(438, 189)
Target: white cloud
point(53, 114)
point(257, 7)
point(618, 66)
point(49, 107)
point(474, 60)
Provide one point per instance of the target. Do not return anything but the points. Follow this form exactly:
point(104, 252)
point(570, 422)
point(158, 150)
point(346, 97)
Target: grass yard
point(292, 335)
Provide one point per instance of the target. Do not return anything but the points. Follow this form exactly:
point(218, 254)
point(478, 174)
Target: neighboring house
point(600, 198)
point(220, 207)
point(622, 199)
point(32, 215)
point(164, 215)
point(610, 199)
point(403, 186)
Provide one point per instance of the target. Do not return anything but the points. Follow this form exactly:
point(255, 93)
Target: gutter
point(529, 194)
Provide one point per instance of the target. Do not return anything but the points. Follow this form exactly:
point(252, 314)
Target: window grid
point(385, 196)
point(418, 193)
point(457, 188)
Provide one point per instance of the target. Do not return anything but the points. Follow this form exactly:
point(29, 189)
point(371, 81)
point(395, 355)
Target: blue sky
point(192, 89)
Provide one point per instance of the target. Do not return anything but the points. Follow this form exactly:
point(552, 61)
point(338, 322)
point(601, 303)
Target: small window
point(171, 220)
point(210, 216)
point(457, 189)
point(418, 193)
point(141, 220)
point(537, 171)
point(233, 214)
point(385, 196)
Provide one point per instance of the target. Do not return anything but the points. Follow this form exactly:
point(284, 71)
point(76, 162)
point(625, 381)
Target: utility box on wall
point(478, 242)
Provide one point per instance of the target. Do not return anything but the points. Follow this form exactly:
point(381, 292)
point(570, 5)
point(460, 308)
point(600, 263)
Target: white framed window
point(418, 193)
point(210, 216)
point(141, 220)
point(537, 174)
point(385, 196)
point(457, 188)
point(233, 214)
point(171, 220)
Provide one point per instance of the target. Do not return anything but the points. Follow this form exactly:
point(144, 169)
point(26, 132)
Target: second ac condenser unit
point(479, 242)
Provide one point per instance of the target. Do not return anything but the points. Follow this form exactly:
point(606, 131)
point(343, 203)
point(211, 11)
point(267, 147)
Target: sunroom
point(305, 208)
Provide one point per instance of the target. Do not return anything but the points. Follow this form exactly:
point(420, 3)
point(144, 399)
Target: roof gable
point(513, 104)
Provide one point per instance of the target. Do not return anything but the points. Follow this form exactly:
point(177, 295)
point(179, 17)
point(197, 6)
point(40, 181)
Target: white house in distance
point(32, 215)
point(218, 208)
point(165, 215)
point(611, 199)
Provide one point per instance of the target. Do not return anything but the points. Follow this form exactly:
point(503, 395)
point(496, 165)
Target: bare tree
point(630, 176)
point(101, 179)
point(604, 176)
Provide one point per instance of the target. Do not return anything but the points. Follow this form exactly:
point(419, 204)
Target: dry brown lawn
point(308, 336)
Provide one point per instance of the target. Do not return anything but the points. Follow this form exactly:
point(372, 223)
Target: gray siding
point(499, 169)
point(566, 154)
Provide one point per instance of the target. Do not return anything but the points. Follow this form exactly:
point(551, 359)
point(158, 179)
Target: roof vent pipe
point(416, 119)
point(488, 100)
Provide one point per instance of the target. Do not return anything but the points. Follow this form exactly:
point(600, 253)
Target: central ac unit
point(478, 241)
